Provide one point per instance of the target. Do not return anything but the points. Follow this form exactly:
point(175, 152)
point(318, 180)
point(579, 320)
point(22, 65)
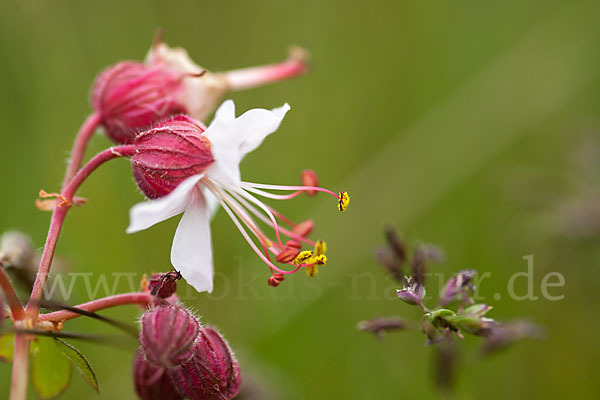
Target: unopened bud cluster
point(178, 358)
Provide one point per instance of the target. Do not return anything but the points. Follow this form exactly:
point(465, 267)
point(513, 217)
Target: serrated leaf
point(50, 369)
point(7, 346)
point(81, 364)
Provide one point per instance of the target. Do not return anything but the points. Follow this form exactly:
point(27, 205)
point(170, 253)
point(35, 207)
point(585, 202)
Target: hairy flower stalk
point(58, 216)
point(142, 299)
point(21, 351)
point(81, 141)
point(186, 168)
point(16, 308)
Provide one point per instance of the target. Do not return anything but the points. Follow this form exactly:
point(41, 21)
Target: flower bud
point(167, 335)
point(168, 154)
point(164, 285)
point(212, 373)
point(479, 326)
point(309, 178)
point(152, 383)
point(131, 96)
point(457, 285)
point(412, 293)
point(477, 310)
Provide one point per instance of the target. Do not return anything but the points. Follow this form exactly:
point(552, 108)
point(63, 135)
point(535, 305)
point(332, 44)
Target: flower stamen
point(343, 197)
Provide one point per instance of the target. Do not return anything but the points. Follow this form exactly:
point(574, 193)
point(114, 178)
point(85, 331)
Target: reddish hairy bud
point(212, 373)
point(167, 335)
point(309, 178)
point(168, 154)
point(152, 383)
point(130, 96)
point(164, 285)
point(304, 228)
point(275, 280)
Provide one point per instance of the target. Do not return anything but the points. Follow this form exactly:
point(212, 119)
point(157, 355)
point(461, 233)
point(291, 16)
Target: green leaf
point(50, 369)
point(7, 345)
point(81, 364)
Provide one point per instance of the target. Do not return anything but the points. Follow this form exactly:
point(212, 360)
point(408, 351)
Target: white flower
point(229, 140)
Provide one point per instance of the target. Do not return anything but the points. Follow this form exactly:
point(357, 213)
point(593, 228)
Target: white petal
point(144, 215)
point(255, 125)
point(191, 253)
point(226, 112)
point(232, 138)
point(211, 202)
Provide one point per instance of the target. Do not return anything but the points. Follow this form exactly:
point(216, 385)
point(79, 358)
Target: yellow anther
point(319, 260)
point(302, 257)
point(343, 201)
point(320, 248)
point(312, 270)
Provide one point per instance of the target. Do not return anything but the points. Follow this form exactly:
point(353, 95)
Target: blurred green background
point(468, 124)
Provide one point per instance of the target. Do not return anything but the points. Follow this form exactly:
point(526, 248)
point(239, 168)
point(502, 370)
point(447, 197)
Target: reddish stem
point(81, 141)
point(247, 78)
point(20, 368)
point(100, 304)
point(58, 217)
point(16, 308)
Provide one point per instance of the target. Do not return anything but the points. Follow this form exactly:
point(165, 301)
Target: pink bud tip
point(167, 335)
point(212, 373)
point(168, 154)
point(164, 285)
point(309, 178)
point(152, 383)
point(130, 96)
